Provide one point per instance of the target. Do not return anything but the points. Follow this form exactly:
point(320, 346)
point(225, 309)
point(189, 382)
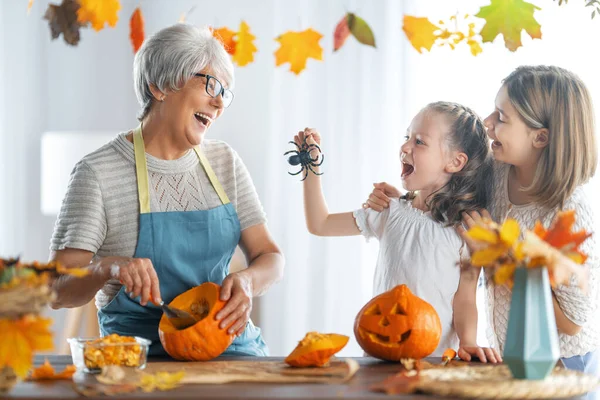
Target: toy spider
point(303, 158)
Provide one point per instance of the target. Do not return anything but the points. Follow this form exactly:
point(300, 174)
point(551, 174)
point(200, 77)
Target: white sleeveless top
point(417, 251)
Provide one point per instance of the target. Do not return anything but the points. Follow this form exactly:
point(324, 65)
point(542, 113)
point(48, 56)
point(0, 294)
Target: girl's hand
point(485, 354)
point(312, 137)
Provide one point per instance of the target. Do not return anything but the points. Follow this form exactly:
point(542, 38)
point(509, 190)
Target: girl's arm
point(318, 219)
point(465, 319)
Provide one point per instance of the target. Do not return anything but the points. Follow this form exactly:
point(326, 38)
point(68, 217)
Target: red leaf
point(341, 33)
point(136, 29)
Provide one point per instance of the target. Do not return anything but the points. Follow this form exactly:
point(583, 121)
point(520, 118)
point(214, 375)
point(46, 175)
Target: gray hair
point(170, 57)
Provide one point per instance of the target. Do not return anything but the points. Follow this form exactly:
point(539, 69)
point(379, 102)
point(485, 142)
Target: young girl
point(446, 167)
point(545, 149)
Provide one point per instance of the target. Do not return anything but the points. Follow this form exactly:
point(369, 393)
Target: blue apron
point(187, 248)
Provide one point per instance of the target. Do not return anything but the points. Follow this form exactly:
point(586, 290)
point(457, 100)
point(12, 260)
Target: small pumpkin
point(316, 349)
point(397, 324)
point(204, 340)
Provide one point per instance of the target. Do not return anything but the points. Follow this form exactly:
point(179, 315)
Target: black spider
point(303, 158)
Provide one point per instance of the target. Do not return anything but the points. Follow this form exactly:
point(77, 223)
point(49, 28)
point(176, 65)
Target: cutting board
point(217, 372)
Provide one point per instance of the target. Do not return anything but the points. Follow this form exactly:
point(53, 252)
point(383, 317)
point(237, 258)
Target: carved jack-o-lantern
point(397, 324)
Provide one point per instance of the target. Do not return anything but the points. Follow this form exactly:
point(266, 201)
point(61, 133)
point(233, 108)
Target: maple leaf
point(420, 32)
point(63, 19)
point(341, 33)
point(509, 18)
point(244, 47)
point(46, 372)
point(136, 29)
point(99, 12)
point(226, 36)
point(297, 47)
point(20, 339)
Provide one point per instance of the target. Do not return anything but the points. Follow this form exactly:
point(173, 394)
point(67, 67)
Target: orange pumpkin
point(397, 324)
point(316, 349)
point(204, 340)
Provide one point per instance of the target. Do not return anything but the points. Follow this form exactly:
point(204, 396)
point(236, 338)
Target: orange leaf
point(559, 235)
point(19, 339)
point(420, 32)
point(98, 13)
point(226, 36)
point(244, 48)
point(46, 372)
point(297, 47)
point(402, 383)
point(341, 33)
point(448, 355)
point(136, 29)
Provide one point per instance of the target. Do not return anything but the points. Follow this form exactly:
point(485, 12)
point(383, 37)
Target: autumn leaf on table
point(297, 47)
point(402, 383)
point(244, 46)
point(420, 32)
point(227, 37)
point(509, 18)
point(20, 339)
point(63, 19)
point(46, 372)
point(99, 12)
point(160, 381)
point(136, 29)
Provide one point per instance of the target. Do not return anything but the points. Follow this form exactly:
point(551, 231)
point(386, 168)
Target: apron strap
point(212, 176)
point(141, 170)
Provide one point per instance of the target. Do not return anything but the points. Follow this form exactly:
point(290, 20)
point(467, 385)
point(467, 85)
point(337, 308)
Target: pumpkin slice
point(204, 340)
point(316, 349)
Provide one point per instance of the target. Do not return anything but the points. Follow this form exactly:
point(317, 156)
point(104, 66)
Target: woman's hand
point(237, 291)
point(136, 274)
point(379, 199)
point(485, 354)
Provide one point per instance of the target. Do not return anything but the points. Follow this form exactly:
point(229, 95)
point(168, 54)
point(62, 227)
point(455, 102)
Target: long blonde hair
point(556, 99)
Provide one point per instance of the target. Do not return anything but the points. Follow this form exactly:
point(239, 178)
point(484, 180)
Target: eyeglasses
point(215, 88)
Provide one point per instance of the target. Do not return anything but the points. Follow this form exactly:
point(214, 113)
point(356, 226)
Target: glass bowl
point(90, 354)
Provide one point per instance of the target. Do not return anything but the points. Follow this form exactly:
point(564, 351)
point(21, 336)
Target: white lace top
point(419, 252)
point(579, 308)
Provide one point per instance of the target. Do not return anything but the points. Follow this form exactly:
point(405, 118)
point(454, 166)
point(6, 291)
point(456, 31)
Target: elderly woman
point(160, 209)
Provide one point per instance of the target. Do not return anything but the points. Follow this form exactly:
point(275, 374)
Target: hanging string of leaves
point(506, 18)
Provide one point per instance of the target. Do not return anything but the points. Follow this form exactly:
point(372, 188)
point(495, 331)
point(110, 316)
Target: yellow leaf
point(19, 339)
point(297, 47)
point(76, 272)
point(46, 372)
point(509, 232)
point(244, 48)
point(475, 47)
point(509, 18)
point(226, 36)
point(482, 234)
point(504, 274)
point(160, 381)
point(487, 257)
point(420, 32)
point(98, 13)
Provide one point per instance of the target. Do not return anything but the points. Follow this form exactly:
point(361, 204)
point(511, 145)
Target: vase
point(532, 349)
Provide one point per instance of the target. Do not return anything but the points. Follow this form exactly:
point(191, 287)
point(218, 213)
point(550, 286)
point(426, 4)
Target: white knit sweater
point(579, 308)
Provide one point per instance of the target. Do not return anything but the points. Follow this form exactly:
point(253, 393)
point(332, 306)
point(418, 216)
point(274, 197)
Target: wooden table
point(370, 372)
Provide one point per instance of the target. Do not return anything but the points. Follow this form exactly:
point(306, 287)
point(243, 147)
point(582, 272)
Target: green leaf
point(509, 18)
point(361, 30)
